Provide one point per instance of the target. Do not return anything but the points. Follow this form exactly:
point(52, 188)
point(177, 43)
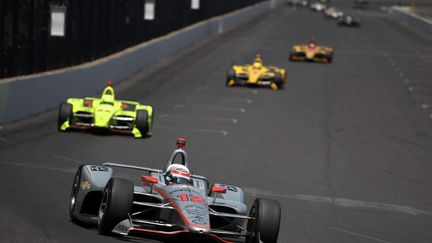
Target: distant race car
point(296, 3)
point(348, 21)
point(318, 6)
point(106, 113)
point(256, 75)
point(171, 204)
point(333, 12)
point(312, 52)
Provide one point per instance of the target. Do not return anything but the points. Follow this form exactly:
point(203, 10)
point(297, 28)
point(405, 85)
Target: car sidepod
point(232, 202)
point(87, 188)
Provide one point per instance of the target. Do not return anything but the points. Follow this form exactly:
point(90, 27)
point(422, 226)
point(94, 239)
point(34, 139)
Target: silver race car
point(170, 203)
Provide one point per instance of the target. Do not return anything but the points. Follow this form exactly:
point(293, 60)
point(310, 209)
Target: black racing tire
point(279, 81)
point(292, 57)
point(74, 193)
point(266, 223)
point(141, 122)
point(65, 113)
point(115, 205)
point(230, 76)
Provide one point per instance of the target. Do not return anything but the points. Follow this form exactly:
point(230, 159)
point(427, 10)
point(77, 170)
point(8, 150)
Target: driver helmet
point(312, 42)
point(108, 94)
point(257, 62)
point(177, 174)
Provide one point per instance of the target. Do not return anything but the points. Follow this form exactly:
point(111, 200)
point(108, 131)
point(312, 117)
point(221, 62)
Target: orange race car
point(312, 52)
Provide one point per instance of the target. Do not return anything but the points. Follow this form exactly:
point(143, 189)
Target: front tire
point(292, 57)
point(142, 123)
point(115, 205)
point(74, 193)
point(279, 81)
point(265, 225)
point(231, 78)
point(65, 113)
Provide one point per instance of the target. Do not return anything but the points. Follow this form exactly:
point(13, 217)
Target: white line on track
point(29, 165)
point(222, 132)
point(414, 88)
point(422, 96)
point(417, 82)
point(180, 106)
point(248, 101)
point(42, 151)
point(414, 68)
point(359, 234)
point(234, 121)
point(343, 202)
point(424, 58)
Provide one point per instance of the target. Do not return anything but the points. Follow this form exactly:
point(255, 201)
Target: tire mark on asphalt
point(41, 151)
point(30, 165)
point(342, 202)
point(222, 132)
point(231, 120)
point(341, 230)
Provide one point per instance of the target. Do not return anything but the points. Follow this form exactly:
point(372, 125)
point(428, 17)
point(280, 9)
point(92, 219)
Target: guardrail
point(28, 95)
point(405, 15)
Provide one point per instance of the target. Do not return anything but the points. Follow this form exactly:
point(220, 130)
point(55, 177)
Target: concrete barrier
point(28, 95)
point(405, 15)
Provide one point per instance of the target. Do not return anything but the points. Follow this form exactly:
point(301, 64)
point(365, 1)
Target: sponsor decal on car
point(85, 185)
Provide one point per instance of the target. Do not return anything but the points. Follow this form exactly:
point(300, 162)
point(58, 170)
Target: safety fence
point(41, 35)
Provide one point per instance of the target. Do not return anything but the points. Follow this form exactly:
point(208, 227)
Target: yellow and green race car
point(312, 52)
point(106, 113)
point(256, 75)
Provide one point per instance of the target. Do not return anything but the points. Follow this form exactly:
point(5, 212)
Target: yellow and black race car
point(312, 52)
point(106, 113)
point(256, 75)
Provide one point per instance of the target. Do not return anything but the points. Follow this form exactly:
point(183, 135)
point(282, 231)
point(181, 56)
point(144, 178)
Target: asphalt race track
point(346, 148)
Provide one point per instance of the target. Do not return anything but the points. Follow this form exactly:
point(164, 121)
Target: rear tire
point(115, 205)
point(265, 225)
point(142, 123)
point(65, 113)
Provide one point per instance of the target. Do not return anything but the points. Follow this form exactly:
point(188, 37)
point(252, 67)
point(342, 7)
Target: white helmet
point(178, 174)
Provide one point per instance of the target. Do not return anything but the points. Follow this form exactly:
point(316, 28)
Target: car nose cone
point(101, 119)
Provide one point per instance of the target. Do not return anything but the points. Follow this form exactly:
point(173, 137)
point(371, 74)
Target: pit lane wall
point(406, 15)
point(24, 96)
